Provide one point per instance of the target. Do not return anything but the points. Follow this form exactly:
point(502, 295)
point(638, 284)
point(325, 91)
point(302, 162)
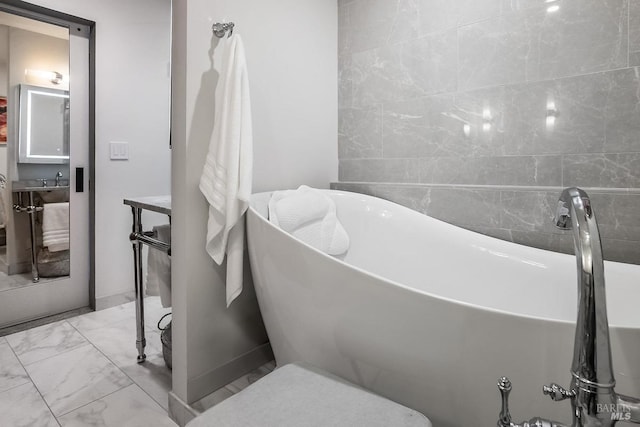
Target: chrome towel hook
point(221, 28)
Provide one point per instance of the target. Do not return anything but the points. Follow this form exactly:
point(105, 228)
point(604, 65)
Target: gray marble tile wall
point(492, 107)
point(634, 32)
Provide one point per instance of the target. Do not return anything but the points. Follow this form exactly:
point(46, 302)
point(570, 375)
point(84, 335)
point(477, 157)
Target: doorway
point(45, 163)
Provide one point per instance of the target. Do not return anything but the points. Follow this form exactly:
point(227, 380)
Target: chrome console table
point(138, 237)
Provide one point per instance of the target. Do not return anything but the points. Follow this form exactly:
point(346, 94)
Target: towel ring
point(221, 28)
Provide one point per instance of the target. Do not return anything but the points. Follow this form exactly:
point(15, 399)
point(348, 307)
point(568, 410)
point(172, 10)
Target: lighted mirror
point(44, 125)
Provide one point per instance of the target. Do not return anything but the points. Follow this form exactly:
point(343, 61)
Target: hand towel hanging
point(159, 267)
point(227, 174)
point(55, 226)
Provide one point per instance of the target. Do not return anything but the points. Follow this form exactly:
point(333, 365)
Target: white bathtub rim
point(404, 287)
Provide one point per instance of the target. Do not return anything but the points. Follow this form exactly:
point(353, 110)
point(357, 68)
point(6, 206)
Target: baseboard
point(29, 324)
point(113, 300)
point(211, 381)
point(19, 268)
point(179, 411)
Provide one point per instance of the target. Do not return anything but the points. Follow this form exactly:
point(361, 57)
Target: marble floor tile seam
point(30, 324)
point(124, 312)
point(27, 381)
point(110, 369)
point(41, 401)
point(59, 416)
point(141, 385)
point(133, 380)
point(53, 355)
point(44, 400)
point(89, 403)
point(30, 380)
point(87, 343)
point(113, 362)
point(15, 356)
point(108, 394)
point(137, 410)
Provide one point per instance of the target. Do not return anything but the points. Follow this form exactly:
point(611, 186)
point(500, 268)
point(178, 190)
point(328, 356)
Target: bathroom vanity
point(138, 237)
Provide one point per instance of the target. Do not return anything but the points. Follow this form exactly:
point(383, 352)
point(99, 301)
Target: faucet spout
point(591, 367)
point(594, 401)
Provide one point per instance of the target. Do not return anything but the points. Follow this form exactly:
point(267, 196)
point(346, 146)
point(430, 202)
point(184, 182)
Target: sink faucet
point(58, 176)
point(594, 402)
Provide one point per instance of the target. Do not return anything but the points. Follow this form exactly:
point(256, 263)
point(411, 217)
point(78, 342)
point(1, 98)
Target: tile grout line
point(86, 343)
point(34, 385)
point(40, 322)
point(123, 372)
point(57, 354)
point(28, 380)
point(466, 90)
point(94, 401)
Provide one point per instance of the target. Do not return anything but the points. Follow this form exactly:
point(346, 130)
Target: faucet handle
point(504, 385)
point(557, 393)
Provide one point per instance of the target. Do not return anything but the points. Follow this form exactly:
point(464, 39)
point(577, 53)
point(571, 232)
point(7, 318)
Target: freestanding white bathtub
point(431, 315)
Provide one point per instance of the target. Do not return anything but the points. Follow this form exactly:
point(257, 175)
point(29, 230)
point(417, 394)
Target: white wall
point(132, 104)
point(291, 49)
point(292, 63)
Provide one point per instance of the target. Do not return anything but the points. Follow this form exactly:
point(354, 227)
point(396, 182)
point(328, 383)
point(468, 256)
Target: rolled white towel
point(310, 216)
point(159, 267)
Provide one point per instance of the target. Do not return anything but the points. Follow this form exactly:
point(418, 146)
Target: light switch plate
point(119, 150)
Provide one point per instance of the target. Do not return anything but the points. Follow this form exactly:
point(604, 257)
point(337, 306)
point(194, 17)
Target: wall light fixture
point(51, 76)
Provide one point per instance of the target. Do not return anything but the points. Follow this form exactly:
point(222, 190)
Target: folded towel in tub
point(310, 216)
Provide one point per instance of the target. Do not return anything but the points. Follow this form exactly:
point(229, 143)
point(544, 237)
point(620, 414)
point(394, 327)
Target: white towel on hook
point(227, 174)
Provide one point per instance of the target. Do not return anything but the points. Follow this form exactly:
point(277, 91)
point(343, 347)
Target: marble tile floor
point(82, 371)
